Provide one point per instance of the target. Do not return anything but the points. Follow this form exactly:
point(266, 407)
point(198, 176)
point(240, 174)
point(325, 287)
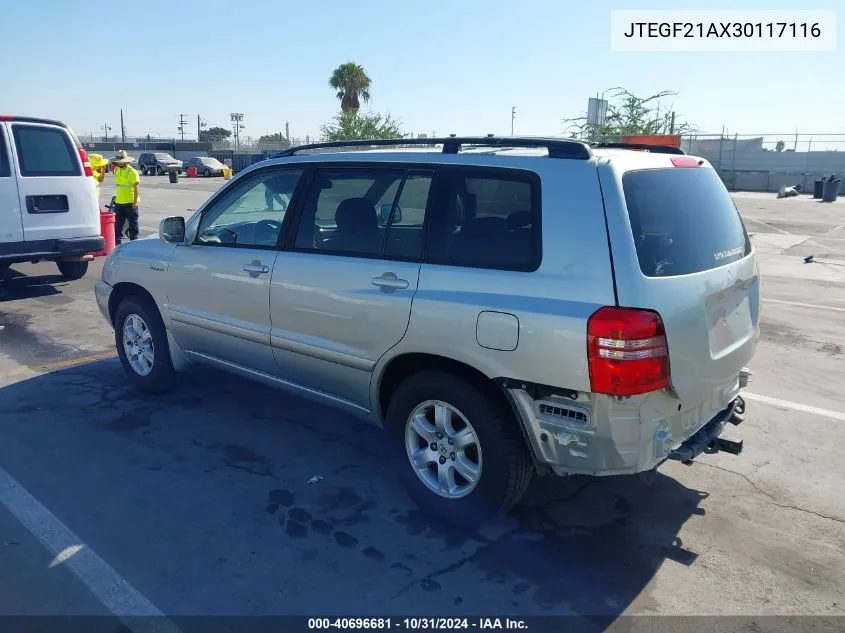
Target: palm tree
point(352, 85)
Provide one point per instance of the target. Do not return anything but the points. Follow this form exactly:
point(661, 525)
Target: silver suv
point(501, 306)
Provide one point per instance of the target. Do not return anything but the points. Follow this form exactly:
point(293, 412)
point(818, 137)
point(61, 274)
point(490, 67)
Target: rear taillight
point(627, 351)
point(86, 165)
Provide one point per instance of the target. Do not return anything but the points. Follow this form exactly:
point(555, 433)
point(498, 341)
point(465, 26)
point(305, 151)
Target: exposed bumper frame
point(708, 438)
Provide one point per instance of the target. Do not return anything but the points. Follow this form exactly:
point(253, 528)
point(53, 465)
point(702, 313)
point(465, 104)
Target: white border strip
point(814, 306)
point(109, 587)
point(795, 406)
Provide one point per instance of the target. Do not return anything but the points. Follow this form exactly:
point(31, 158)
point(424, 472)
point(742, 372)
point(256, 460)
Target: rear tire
point(207, 172)
point(494, 450)
point(72, 270)
point(141, 342)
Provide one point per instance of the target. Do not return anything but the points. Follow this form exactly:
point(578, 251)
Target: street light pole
point(513, 116)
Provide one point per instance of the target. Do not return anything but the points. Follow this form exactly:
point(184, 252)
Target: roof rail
point(557, 148)
point(655, 149)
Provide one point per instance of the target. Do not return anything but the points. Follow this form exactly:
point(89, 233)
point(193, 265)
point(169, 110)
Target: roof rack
point(557, 148)
point(655, 149)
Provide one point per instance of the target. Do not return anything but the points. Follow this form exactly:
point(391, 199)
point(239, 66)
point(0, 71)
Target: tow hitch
point(726, 445)
point(708, 438)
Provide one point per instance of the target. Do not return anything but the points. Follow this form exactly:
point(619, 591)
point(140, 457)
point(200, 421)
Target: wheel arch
point(399, 367)
point(126, 289)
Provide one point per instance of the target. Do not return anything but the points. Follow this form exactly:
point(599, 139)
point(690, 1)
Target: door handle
point(256, 269)
point(389, 281)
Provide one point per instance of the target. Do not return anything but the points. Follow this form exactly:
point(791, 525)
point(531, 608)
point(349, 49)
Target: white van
point(49, 209)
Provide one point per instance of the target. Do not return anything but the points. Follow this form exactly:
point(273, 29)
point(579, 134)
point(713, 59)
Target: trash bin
point(192, 172)
point(831, 190)
point(173, 174)
point(107, 219)
point(818, 188)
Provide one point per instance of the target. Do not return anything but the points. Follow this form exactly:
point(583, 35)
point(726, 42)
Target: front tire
point(141, 342)
point(459, 450)
point(72, 270)
point(159, 170)
point(207, 172)
point(143, 170)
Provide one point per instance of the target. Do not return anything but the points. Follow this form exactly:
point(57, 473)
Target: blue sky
point(438, 65)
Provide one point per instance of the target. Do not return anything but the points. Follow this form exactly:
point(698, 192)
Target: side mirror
point(172, 230)
point(384, 214)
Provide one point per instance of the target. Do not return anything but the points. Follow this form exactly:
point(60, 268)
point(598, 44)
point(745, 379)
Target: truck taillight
point(627, 351)
point(86, 165)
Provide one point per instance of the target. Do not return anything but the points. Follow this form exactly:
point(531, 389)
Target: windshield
point(683, 221)
point(164, 157)
point(211, 162)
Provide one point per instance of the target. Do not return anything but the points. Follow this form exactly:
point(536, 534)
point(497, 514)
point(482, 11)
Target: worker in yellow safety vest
point(127, 197)
point(98, 166)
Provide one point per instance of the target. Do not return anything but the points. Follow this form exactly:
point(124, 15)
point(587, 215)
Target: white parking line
point(814, 306)
point(795, 406)
point(109, 587)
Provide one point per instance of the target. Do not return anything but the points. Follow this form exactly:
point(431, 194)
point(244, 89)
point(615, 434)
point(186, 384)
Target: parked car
point(48, 199)
point(157, 163)
point(503, 307)
point(206, 166)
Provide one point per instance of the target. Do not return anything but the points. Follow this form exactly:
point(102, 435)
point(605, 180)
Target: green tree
point(278, 139)
point(352, 85)
point(352, 125)
point(629, 115)
point(215, 134)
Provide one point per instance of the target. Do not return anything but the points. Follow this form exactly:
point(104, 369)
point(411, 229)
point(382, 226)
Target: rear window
point(45, 151)
point(683, 221)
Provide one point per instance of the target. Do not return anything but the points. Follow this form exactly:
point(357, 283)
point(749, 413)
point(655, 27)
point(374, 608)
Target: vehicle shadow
point(16, 285)
point(587, 547)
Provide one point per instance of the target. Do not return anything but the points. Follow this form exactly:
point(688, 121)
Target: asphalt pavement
point(224, 497)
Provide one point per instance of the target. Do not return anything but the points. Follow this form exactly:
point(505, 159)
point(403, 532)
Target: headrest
point(356, 215)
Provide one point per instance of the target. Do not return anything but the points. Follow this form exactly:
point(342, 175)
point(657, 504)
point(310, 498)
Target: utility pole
point(122, 128)
point(672, 123)
point(182, 123)
point(237, 120)
point(105, 128)
point(200, 126)
point(513, 116)
point(287, 131)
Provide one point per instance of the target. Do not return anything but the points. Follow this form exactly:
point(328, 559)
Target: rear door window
point(45, 151)
point(486, 218)
point(683, 221)
point(5, 166)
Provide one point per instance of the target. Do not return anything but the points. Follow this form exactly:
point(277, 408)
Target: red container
point(192, 172)
point(107, 231)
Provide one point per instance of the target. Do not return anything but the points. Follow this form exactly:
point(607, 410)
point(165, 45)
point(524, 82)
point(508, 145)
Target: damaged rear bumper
point(576, 433)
